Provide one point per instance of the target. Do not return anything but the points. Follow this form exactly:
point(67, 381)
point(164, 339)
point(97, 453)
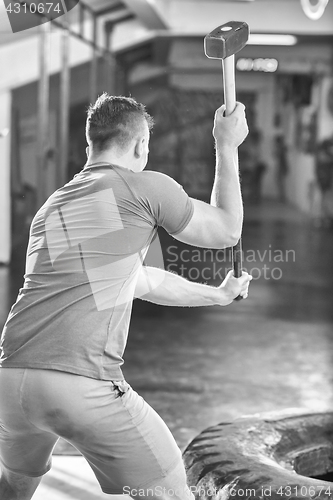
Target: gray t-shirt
point(87, 244)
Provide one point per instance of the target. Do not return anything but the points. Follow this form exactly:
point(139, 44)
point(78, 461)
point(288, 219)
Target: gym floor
point(198, 367)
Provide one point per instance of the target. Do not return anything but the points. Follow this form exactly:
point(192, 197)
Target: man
point(63, 342)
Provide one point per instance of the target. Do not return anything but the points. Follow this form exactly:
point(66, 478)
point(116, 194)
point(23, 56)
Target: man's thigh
point(130, 447)
point(123, 439)
point(24, 449)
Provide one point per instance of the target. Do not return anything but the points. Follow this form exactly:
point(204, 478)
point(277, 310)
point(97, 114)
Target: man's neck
point(107, 158)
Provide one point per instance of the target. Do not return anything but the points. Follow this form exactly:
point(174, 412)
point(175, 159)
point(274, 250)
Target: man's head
point(119, 128)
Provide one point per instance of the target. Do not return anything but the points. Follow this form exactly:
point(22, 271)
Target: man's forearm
point(226, 193)
point(170, 289)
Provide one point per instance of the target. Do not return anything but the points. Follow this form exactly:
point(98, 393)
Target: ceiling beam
point(146, 13)
point(108, 9)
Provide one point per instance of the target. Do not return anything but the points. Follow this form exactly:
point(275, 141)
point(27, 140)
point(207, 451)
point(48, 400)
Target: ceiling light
point(272, 39)
point(314, 11)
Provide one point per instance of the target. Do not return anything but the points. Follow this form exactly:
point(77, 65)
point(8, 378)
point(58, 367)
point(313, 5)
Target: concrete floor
point(272, 351)
point(201, 366)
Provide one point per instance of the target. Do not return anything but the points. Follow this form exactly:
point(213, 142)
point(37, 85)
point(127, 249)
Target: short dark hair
point(115, 120)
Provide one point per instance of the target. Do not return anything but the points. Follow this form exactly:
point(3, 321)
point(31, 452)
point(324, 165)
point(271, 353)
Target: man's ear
point(139, 148)
point(87, 151)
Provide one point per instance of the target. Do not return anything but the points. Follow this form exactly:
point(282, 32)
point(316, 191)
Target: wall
point(5, 106)
point(191, 69)
point(325, 109)
point(19, 61)
point(302, 187)
point(20, 64)
point(276, 16)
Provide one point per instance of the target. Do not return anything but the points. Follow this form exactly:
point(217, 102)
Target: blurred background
point(153, 50)
point(196, 367)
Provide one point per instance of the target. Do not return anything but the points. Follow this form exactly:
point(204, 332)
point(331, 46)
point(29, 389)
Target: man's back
point(84, 261)
point(86, 245)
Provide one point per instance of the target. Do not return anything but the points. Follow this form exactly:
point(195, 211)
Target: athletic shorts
point(126, 443)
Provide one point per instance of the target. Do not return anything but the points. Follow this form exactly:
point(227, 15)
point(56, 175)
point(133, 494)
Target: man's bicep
point(186, 219)
point(208, 227)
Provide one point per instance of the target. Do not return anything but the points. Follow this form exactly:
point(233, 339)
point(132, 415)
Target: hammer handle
point(229, 86)
point(228, 65)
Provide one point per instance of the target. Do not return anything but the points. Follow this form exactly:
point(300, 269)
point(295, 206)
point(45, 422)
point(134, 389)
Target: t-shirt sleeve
point(166, 200)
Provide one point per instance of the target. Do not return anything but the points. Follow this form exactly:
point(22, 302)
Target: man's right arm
point(219, 224)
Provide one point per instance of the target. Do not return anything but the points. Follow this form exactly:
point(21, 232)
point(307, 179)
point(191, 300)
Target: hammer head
point(226, 40)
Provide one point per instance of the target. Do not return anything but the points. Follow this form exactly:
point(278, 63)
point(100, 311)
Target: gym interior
point(197, 367)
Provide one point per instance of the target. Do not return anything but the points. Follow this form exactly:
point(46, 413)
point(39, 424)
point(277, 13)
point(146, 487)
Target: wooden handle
point(229, 88)
point(229, 85)
point(237, 259)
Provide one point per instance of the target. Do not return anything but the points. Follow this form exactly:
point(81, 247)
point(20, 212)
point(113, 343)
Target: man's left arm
point(169, 289)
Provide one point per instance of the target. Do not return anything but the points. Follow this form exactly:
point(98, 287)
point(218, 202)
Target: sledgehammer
point(223, 43)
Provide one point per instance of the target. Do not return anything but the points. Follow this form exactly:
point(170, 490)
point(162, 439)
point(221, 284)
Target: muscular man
point(63, 342)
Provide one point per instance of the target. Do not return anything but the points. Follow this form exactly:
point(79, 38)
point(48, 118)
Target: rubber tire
point(267, 456)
